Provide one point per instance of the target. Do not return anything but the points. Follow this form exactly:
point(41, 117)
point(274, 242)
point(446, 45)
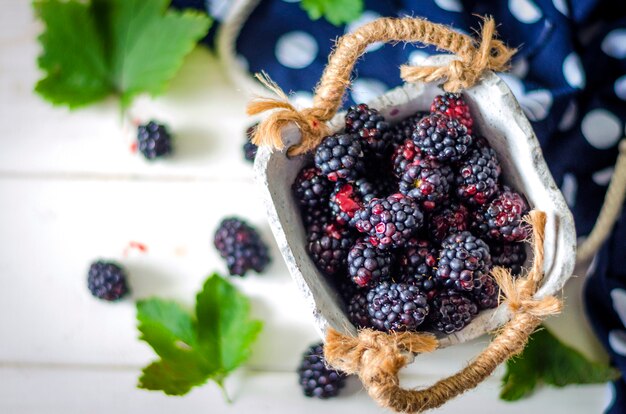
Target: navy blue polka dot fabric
point(569, 77)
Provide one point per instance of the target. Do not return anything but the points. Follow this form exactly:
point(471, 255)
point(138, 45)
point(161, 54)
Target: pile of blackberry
point(406, 221)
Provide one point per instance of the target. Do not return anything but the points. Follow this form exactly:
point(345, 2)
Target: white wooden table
point(72, 191)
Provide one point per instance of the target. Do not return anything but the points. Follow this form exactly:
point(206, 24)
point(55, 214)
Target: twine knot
point(474, 58)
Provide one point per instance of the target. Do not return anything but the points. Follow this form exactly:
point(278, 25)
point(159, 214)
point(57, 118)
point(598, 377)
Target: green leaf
point(193, 351)
point(547, 360)
point(122, 47)
point(336, 12)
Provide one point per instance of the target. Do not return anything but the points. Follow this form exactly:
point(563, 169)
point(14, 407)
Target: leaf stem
point(220, 383)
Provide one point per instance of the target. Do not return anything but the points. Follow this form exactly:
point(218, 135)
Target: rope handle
point(378, 357)
point(475, 56)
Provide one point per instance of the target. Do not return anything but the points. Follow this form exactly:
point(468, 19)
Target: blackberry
point(371, 126)
point(477, 178)
point(241, 246)
point(454, 106)
point(154, 140)
point(316, 378)
point(502, 218)
point(328, 245)
point(319, 215)
point(368, 265)
point(348, 198)
point(509, 255)
point(311, 188)
point(416, 266)
point(357, 310)
point(451, 311)
point(427, 181)
point(340, 157)
point(249, 148)
point(390, 221)
point(396, 307)
point(488, 294)
point(442, 137)
point(405, 155)
point(464, 262)
point(107, 280)
point(452, 218)
point(403, 130)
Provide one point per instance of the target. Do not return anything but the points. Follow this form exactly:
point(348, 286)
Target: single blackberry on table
point(371, 127)
point(328, 245)
point(416, 266)
point(464, 262)
point(502, 218)
point(454, 106)
point(249, 148)
point(452, 218)
point(107, 280)
point(154, 140)
point(340, 157)
point(368, 265)
point(477, 177)
point(428, 181)
point(403, 130)
point(509, 255)
point(443, 138)
point(396, 307)
point(311, 188)
point(357, 310)
point(348, 198)
point(241, 246)
point(486, 297)
point(390, 221)
point(451, 311)
point(406, 154)
point(316, 379)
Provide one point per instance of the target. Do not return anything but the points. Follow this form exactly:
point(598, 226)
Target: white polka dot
point(302, 99)
point(537, 104)
point(366, 17)
point(614, 44)
point(218, 9)
point(243, 62)
point(618, 296)
point(609, 398)
point(603, 177)
point(450, 5)
point(617, 341)
point(416, 57)
point(601, 128)
point(593, 266)
point(526, 11)
point(296, 50)
point(573, 71)
point(561, 5)
point(569, 188)
point(520, 68)
point(620, 87)
point(364, 90)
point(569, 116)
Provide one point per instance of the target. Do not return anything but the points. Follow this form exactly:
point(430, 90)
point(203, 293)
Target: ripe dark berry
point(250, 149)
point(477, 177)
point(241, 246)
point(452, 218)
point(416, 266)
point(316, 379)
point(453, 105)
point(442, 137)
point(403, 130)
point(396, 307)
point(451, 311)
point(464, 262)
point(405, 155)
point(487, 295)
point(427, 181)
point(328, 245)
point(371, 127)
point(501, 218)
point(340, 157)
point(348, 198)
point(390, 221)
point(154, 140)
point(311, 188)
point(509, 255)
point(368, 265)
point(107, 280)
point(357, 310)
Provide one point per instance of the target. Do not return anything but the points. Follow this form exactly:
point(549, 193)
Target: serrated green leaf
point(547, 360)
point(337, 12)
point(122, 47)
